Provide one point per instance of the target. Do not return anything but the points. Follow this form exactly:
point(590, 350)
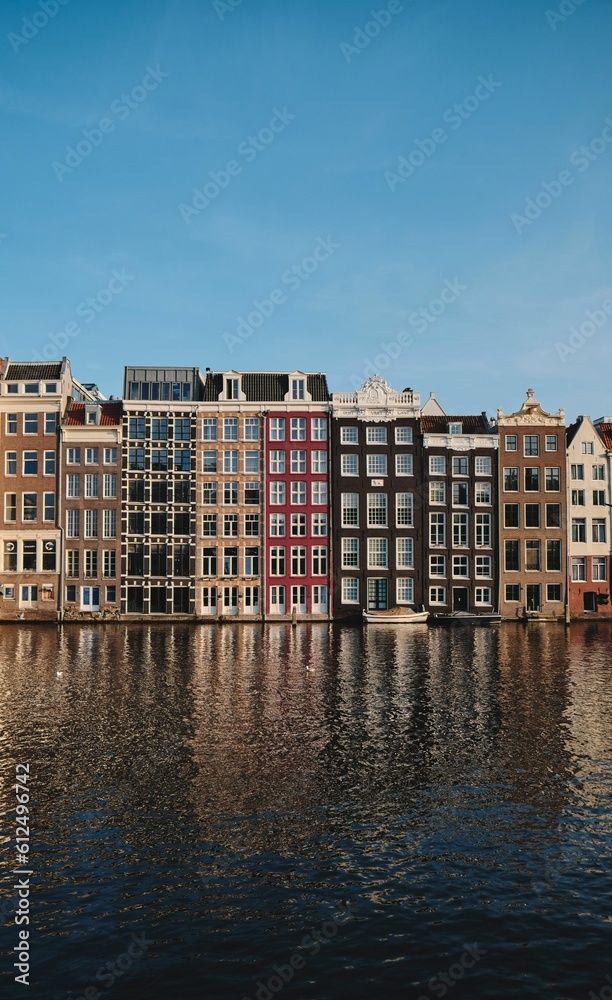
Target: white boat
point(396, 616)
point(467, 618)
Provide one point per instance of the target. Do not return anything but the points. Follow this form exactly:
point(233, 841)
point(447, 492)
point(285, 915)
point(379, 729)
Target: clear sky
point(239, 137)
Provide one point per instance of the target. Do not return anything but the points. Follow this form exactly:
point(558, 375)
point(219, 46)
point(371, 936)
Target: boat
point(468, 618)
point(396, 616)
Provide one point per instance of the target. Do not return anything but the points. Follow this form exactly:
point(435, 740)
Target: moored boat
point(467, 618)
point(396, 616)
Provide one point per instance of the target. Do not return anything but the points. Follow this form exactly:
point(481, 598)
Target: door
point(534, 597)
point(377, 594)
point(90, 598)
point(319, 600)
point(28, 596)
point(590, 600)
point(461, 599)
point(298, 600)
point(251, 600)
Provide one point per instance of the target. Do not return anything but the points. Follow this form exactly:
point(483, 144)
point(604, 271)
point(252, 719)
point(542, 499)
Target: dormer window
point(298, 388)
point(232, 388)
point(455, 428)
point(31, 387)
point(92, 413)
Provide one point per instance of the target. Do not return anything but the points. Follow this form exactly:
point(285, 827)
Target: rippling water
point(231, 792)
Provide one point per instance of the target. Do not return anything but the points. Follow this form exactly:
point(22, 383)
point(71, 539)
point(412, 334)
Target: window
point(182, 491)
point(319, 525)
point(511, 480)
point(48, 506)
point(599, 498)
point(135, 523)
point(159, 523)
point(460, 494)
point(482, 595)
point(599, 472)
point(461, 466)
point(209, 525)
point(349, 435)
point(437, 595)
point(11, 423)
point(251, 428)
point(376, 465)
point(136, 428)
point(377, 510)
point(319, 560)
point(483, 531)
point(232, 388)
point(577, 471)
point(230, 462)
point(551, 442)
point(110, 485)
point(159, 429)
point(209, 493)
point(531, 444)
point(378, 553)
point(30, 507)
point(578, 568)
point(159, 491)
point(553, 515)
point(437, 529)
point(182, 429)
point(599, 568)
point(532, 554)
point(319, 428)
point(437, 492)
point(513, 592)
point(318, 462)
point(553, 479)
point(405, 590)
point(403, 435)
point(298, 462)
point(109, 563)
point(578, 498)
point(350, 590)
point(553, 554)
point(404, 510)
point(230, 561)
point(182, 459)
point(483, 566)
point(230, 428)
point(404, 553)
point(482, 493)
point(511, 442)
point(277, 429)
point(209, 429)
point(298, 428)
point(298, 561)
point(73, 520)
point(209, 461)
point(455, 428)
point(10, 556)
point(349, 503)
point(298, 493)
point(298, 524)
point(553, 592)
point(182, 524)
point(10, 463)
point(532, 515)
point(159, 459)
point(136, 459)
point(230, 494)
point(30, 463)
point(319, 493)
point(511, 515)
point(277, 560)
point(404, 465)
point(460, 529)
point(437, 565)
point(532, 479)
point(10, 506)
point(298, 388)
point(376, 435)
point(460, 566)
point(72, 562)
point(251, 561)
point(349, 465)
point(599, 529)
point(483, 465)
point(437, 465)
point(251, 494)
point(277, 525)
point(579, 529)
point(277, 463)
point(251, 462)
point(350, 553)
point(49, 557)
point(511, 556)
point(91, 563)
point(277, 600)
point(209, 562)
point(30, 423)
point(91, 524)
point(50, 423)
point(73, 485)
point(278, 493)
point(587, 448)
point(91, 486)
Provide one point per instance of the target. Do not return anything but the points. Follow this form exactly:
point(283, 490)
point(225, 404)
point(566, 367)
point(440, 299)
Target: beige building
point(588, 498)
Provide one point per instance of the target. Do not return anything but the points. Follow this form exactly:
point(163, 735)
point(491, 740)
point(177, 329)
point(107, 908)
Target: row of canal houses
point(260, 495)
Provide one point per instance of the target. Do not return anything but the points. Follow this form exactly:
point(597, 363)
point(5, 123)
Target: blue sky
point(346, 102)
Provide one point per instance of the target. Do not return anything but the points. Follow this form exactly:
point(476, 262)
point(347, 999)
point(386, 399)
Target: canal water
point(319, 812)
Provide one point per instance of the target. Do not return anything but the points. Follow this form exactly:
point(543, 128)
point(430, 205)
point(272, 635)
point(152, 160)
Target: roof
point(471, 424)
point(110, 416)
point(605, 433)
point(32, 371)
point(266, 387)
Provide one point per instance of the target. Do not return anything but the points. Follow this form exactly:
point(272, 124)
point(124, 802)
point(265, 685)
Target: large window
point(553, 479)
point(298, 560)
point(298, 463)
point(511, 479)
point(437, 529)
point(350, 509)
point(378, 553)
point(277, 560)
point(350, 553)
point(349, 435)
point(512, 555)
point(298, 428)
point(553, 515)
point(349, 465)
point(531, 444)
point(532, 554)
point(553, 554)
point(404, 553)
point(578, 568)
point(579, 529)
point(483, 531)
point(404, 510)
point(532, 479)
point(350, 590)
point(277, 462)
point(405, 590)
point(437, 491)
point(377, 510)
point(599, 529)
point(437, 465)
point(404, 464)
point(277, 428)
point(298, 493)
point(376, 435)
point(376, 465)
point(460, 530)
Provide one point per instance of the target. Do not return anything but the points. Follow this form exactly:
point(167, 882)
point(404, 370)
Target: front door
point(461, 599)
point(534, 596)
point(28, 596)
point(377, 595)
point(90, 599)
point(590, 601)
